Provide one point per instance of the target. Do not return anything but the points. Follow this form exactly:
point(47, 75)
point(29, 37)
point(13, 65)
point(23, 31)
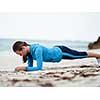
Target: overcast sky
point(52, 26)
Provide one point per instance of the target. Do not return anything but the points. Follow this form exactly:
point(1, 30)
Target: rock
point(95, 44)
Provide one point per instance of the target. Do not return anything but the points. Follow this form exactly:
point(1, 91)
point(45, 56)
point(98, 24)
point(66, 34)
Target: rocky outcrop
point(95, 44)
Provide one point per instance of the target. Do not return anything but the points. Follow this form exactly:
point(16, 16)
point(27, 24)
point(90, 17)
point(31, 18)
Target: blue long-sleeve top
point(41, 53)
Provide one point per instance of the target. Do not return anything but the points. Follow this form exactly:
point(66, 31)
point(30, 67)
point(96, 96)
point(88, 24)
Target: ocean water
point(6, 44)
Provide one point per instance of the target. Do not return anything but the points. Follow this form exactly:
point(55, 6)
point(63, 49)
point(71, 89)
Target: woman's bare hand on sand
point(20, 68)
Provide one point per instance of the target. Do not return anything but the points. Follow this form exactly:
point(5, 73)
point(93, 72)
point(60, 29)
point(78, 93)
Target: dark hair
point(17, 46)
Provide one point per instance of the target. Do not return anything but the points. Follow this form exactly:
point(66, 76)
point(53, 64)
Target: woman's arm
point(23, 68)
point(39, 59)
point(30, 67)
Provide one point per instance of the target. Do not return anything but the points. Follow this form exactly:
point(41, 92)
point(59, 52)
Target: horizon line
point(45, 39)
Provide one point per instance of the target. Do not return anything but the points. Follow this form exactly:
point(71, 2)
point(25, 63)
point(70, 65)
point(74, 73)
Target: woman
point(37, 52)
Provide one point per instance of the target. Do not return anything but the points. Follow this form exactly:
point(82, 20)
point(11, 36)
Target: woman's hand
point(20, 68)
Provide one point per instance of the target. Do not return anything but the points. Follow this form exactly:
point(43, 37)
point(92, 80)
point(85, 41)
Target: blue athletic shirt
point(41, 53)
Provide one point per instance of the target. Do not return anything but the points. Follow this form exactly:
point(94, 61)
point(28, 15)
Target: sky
point(50, 26)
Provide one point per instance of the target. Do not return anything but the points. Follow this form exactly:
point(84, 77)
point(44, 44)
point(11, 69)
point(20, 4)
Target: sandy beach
point(67, 73)
point(81, 76)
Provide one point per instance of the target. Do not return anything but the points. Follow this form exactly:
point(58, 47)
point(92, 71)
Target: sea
point(6, 44)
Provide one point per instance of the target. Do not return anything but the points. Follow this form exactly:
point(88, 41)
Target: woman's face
point(22, 52)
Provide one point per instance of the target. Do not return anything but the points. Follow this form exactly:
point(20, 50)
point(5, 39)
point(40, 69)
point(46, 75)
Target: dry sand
point(81, 76)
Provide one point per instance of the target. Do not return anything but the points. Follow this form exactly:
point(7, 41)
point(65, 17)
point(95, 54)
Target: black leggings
point(72, 54)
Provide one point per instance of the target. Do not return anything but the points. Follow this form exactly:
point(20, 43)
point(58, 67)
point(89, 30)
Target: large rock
point(95, 44)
